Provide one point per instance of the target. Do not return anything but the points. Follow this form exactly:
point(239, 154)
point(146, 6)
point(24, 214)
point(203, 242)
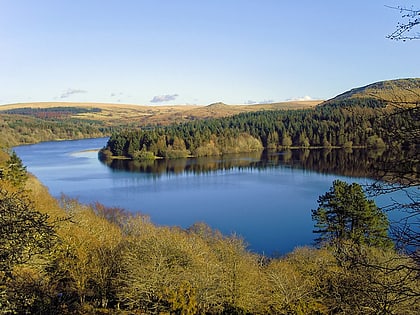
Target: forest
point(51, 112)
point(349, 123)
point(32, 128)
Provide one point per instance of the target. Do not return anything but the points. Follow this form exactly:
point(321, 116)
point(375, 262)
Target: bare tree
point(402, 172)
point(405, 29)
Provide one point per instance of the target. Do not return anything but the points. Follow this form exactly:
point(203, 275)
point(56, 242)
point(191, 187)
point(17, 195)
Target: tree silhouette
point(411, 20)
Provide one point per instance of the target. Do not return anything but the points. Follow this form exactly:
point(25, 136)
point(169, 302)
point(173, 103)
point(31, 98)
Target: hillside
point(121, 114)
point(45, 121)
point(400, 91)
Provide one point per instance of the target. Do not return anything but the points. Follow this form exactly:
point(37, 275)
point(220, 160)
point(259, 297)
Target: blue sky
point(165, 52)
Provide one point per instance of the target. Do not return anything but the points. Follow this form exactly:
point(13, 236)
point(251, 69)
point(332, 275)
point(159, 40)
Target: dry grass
point(401, 91)
point(114, 114)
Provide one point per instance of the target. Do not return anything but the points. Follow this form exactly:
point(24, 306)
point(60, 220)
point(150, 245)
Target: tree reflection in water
point(343, 162)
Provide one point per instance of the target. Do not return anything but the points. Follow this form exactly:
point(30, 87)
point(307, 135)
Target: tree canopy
point(24, 231)
point(342, 123)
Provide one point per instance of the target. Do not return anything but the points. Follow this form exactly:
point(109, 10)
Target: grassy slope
point(392, 91)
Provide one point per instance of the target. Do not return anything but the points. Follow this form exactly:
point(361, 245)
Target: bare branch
point(403, 30)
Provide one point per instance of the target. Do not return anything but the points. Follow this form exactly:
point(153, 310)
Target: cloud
point(250, 102)
point(266, 102)
point(304, 98)
point(164, 98)
point(116, 94)
point(71, 92)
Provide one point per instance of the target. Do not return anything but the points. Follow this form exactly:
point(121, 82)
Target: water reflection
point(344, 162)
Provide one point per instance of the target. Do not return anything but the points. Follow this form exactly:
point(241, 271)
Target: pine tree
point(14, 171)
point(344, 213)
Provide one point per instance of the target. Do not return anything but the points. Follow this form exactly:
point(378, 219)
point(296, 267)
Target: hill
point(400, 91)
point(141, 115)
point(45, 121)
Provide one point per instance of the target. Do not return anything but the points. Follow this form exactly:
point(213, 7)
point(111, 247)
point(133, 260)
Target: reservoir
point(266, 198)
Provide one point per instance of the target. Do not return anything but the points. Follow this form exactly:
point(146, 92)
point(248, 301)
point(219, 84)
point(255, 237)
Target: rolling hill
point(400, 91)
point(141, 115)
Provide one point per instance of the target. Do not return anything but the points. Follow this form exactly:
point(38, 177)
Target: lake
point(265, 198)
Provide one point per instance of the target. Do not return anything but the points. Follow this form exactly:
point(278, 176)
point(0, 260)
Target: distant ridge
point(217, 105)
point(401, 91)
point(140, 115)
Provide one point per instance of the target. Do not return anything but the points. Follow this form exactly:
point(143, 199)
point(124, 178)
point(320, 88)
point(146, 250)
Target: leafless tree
point(405, 30)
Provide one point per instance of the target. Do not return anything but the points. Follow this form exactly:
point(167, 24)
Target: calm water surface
point(267, 203)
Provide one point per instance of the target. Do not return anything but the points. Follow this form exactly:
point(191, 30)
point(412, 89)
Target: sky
point(176, 52)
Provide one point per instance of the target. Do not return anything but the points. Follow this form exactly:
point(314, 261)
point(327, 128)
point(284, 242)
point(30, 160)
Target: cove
point(266, 198)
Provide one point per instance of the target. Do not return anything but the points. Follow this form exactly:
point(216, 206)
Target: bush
point(375, 142)
point(176, 154)
point(208, 149)
point(105, 154)
point(141, 155)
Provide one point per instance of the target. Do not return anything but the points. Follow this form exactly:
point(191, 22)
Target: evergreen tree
point(14, 171)
point(344, 213)
point(286, 141)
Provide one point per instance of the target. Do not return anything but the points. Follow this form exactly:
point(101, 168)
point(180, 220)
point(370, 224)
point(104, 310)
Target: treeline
point(22, 129)
point(63, 257)
point(50, 112)
point(360, 123)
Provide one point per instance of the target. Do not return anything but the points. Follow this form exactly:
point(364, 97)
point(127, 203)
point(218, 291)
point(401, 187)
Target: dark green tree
point(14, 171)
point(345, 214)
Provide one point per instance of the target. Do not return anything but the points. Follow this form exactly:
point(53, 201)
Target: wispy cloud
point(164, 98)
point(266, 102)
point(117, 96)
point(251, 102)
point(304, 98)
point(70, 92)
